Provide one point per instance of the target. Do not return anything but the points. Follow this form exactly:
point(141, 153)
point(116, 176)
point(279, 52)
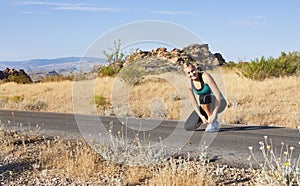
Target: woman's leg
point(206, 103)
point(211, 127)
point(207, 108)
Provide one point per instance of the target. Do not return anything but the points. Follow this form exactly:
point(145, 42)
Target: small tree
point(114, 54)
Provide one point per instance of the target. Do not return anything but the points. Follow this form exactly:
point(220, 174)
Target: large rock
point(18, 76)
point(196, 53)
point(220, 59)
point(158, 61)
point(203, 57)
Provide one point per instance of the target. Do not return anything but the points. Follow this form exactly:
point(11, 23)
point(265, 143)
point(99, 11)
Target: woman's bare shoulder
point(206, 76)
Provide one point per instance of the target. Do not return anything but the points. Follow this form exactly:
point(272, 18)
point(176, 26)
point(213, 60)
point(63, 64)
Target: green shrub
point(16, 98)
point(108, 71)
point(100, 101)
point(230, 64)
point(7, 99)
point(260, 69)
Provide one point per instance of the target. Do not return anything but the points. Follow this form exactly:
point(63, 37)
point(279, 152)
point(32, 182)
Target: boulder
point(197, 53)
point(18, 76)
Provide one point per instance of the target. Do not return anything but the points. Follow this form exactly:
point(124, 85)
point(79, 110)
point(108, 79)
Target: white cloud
point(174, 12)
point(68, 6)
point(250, 21)
point(49, 3)
point(85, 8)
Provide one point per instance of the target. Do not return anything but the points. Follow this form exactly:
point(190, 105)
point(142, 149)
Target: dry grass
point(57, 96)
point(39, 160)
point(269, 102)
point(30, 159)
point(155, 98)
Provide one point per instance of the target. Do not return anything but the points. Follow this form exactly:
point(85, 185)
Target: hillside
point(63, 65)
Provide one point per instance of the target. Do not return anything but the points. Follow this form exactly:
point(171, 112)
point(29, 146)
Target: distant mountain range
point(62, 65)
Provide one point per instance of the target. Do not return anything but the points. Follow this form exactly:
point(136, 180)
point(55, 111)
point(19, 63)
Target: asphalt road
point(230, 145)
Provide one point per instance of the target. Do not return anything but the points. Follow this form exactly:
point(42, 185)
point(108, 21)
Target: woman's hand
point(204, 120)
point(211, 118)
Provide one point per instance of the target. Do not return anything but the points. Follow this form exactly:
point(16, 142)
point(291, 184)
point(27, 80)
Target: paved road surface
point(229, 145)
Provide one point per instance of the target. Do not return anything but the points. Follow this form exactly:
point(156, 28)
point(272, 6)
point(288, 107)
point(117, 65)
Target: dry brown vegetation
point(270, 102)
point(31, 159)
point(42, 160)
point(27, 159)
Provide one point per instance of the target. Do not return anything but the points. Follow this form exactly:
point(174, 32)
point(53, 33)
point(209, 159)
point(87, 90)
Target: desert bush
point(108, 71)
point(259, 69)
point(114, 56)
point(100, 101)
point(16, 98)
point(230, 65)
point(35, 105)
point(13, 99)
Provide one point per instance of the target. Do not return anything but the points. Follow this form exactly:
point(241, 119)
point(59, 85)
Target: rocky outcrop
point(160, 60)
point(175, 56)
point(18, 76)
point(203, 57)
point(196, 53)
point(220, 59)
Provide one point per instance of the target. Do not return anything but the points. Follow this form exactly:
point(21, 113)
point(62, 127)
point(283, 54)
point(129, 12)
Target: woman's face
point(190, 72)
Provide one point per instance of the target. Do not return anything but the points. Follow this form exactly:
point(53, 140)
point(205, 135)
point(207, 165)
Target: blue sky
point(239, 30)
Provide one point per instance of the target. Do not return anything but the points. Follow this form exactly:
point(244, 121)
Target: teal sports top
point(205, 89)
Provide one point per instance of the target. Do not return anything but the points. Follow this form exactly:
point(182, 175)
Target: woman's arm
point(208, 79)
point(194, 101)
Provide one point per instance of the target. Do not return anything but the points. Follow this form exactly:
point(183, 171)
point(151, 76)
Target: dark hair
point(187, 64)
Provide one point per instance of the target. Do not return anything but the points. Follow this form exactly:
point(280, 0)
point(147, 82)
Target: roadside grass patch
point(35, 105)
point(277, 168)
point(45, 159)
point(31, 158)
point(100, 101)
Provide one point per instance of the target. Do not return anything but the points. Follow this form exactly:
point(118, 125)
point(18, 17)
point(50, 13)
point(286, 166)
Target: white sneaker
point(213, 127)
point(209, 128)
